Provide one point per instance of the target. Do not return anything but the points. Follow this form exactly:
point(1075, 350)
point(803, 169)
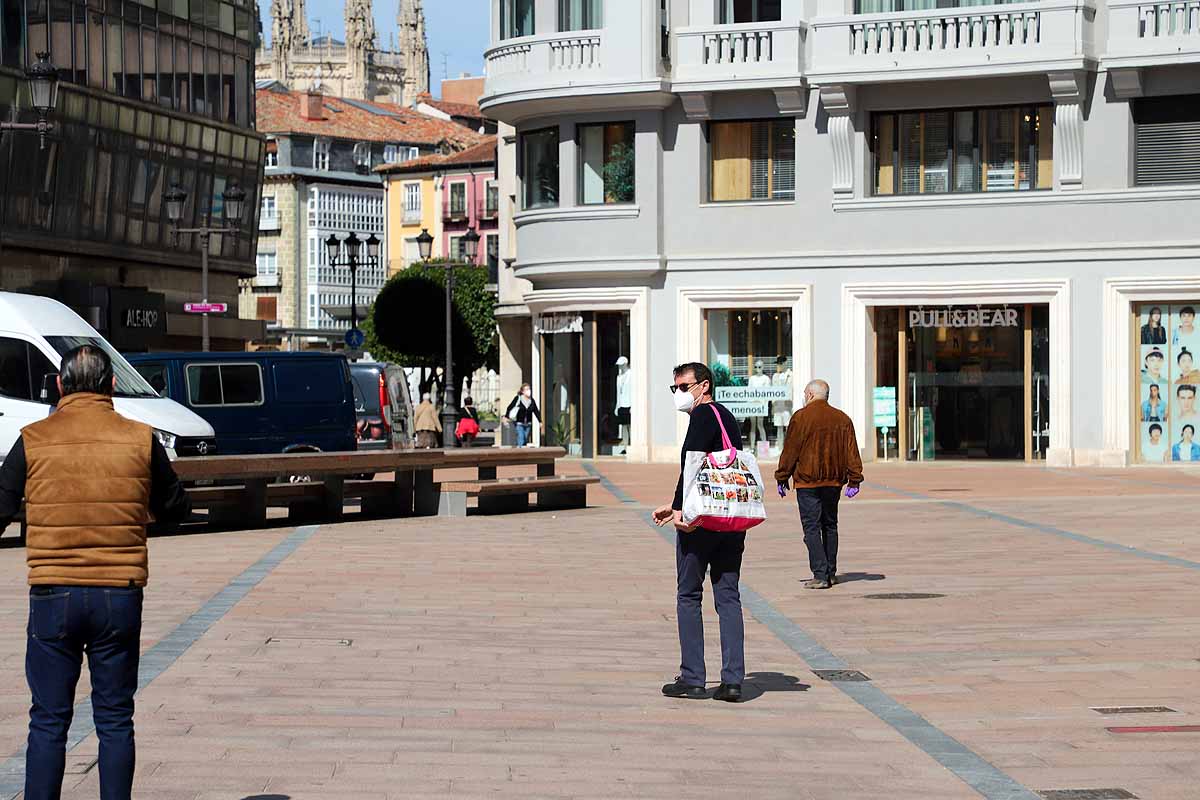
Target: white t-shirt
point(1154, 453)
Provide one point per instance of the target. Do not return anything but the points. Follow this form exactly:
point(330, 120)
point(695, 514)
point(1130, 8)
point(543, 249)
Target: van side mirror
point(50, 393)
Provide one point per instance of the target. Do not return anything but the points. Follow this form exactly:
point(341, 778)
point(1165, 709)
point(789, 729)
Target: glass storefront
point(750, 354)
point(970, 382)
point(1166, 379)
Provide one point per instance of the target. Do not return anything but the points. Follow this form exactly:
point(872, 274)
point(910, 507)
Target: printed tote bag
point(723, 491)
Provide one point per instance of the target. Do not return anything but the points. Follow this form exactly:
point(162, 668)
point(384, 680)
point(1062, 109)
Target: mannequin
point(624, 401)
point(758, 428)
point(781, 409)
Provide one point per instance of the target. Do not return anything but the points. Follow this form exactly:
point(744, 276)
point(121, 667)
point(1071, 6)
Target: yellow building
point(411, 201)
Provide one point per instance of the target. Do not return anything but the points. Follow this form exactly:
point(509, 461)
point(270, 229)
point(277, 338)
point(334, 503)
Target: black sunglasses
point(684, 387)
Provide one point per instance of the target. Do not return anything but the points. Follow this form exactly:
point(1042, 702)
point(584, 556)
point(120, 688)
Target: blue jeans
point(64, 623)
point(524, 433)
point(719, 554)
point(819, 517)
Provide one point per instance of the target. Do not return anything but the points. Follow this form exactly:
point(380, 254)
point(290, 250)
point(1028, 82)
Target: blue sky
point(456, 28)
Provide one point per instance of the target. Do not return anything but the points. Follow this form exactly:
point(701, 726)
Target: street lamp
point(425, 244)
point(42, 77)
point(449, 410)
point(353, 246)
point(232, 209)
point(471, 245)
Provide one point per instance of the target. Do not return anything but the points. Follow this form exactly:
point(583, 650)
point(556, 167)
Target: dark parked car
point(264, 402)
point(383, 406)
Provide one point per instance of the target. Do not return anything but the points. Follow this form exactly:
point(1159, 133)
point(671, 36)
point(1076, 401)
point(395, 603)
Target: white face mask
point(527, 393)
point(685, 402)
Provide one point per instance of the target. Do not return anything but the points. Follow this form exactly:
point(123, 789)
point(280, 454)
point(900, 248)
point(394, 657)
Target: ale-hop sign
point(747, 394)
point(964, 318)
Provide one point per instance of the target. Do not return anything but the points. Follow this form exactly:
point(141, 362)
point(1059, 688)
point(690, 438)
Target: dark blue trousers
point(64, 623)
point(720, 554)
point(819, 516)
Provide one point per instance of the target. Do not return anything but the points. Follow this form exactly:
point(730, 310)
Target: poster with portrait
point(1168, 381)
point(1155, 443)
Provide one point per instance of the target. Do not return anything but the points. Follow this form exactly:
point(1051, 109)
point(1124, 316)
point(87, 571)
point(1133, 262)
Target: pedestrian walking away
point(820, 456)
point(468, 423)
point(426, 423)
point(92, 481)
point(522, 411)
point(698, 551)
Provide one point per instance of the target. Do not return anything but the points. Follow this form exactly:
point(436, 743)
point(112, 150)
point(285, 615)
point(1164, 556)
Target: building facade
point(149, 98)
point(319, 181)
point(356, 68)
point(970, 214)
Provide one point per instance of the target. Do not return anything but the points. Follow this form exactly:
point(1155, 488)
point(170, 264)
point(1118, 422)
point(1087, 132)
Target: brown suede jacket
point(820, 449)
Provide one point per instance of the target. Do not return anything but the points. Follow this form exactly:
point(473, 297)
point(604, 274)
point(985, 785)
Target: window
point(224, 384)
point(272, 157)
point(750, 354)
point(1166, 140)
point(458, 200)
point(362, 156)
point(539, 168)
point(516, 18)
point(753, 160)
point(1165, 354)
point(23, 370)
point(734, 11)
point(321, 154)
point(412, 202)
point(579, 15)
point(606, 163)
point(493, 258)
point(456, 249)
point(270, 210)
point(268, 265)
point(491, 205)
point(977, 150)
point(391, 154)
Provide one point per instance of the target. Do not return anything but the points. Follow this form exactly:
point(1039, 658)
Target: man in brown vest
point(91, 480)
point(820, 456)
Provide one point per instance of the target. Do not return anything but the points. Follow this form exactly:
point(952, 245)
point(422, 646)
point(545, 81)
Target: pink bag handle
point(730, 453)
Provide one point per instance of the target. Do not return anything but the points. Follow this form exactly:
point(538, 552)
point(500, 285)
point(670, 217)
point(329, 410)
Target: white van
point(34, 333)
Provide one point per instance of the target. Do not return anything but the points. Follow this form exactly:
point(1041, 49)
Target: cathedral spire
point(414, 49)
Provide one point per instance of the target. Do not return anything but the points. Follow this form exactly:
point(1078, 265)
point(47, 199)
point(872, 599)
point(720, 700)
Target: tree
point(407, 323)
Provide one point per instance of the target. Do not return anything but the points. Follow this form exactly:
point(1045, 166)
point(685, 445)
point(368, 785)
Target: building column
point(838, 101)
point(1069, 90)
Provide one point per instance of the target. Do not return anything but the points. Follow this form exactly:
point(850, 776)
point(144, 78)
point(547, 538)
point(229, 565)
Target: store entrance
point(975, 381)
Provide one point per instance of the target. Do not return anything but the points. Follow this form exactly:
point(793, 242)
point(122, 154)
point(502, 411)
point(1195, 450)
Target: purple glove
point(782, 490)
point(851, 491)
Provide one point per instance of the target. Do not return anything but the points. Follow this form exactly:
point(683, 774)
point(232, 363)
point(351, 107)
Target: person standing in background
point(522, 411)
point(426, 423)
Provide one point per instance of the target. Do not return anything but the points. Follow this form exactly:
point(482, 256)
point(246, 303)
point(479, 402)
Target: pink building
point(470, 198)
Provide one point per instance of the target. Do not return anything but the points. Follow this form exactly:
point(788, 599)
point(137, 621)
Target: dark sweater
point(704, 436)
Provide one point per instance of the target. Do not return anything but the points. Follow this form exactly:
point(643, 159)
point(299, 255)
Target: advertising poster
point(1168, 367)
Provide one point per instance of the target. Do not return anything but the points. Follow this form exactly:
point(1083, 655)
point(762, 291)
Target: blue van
point(264, 402)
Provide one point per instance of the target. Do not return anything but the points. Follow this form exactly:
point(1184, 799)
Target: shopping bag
point(723, 491)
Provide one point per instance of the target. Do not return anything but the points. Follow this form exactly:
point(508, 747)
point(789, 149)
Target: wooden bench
point(332, 478)
point(509, 495)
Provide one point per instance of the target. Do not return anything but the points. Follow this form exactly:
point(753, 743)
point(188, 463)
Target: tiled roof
point(468, 110)
point(279, 113)
point(477, 155)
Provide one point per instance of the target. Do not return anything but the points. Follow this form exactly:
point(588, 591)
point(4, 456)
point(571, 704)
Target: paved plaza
point(521, 656)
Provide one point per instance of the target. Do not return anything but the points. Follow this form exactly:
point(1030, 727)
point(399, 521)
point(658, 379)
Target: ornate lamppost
point(42, 77)
point(353, 245)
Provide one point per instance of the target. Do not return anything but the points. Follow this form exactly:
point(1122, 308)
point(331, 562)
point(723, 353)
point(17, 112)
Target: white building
point(976, 207)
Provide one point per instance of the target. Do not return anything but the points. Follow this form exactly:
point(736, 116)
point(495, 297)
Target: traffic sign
point(205, 308)
point(355, 338)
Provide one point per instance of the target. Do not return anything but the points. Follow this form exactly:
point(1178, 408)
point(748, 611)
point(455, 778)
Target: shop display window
point(1166, 380)
point(750, 354)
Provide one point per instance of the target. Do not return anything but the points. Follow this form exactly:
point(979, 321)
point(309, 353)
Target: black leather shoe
point(681, 689)
point(729, 692)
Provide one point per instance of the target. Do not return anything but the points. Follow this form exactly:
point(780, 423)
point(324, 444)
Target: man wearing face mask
point(698, 550)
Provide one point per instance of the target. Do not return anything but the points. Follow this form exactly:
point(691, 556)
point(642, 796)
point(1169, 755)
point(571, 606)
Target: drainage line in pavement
point(166, 651)
point(613, 489)
point(1017, 522)
point(968, 766)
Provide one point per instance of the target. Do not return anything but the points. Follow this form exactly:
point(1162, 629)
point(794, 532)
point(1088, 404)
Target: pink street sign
point(205, 308)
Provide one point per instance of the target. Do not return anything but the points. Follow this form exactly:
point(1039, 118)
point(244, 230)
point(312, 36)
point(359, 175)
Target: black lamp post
point(353, 246)
point(232, 209)
point(42, 77)
point(470, 242)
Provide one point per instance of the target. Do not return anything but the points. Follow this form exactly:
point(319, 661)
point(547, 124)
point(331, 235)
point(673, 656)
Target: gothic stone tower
point(414, 50)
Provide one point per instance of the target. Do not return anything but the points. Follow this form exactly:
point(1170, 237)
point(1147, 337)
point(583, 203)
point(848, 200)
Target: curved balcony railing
point(544, 62)
point(720, 52)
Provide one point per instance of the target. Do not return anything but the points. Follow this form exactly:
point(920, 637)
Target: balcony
point(454, 212)
point(1144, 34)
point(973, 41)
point(742, 56)
point(412, 216)
point(489, 209)
point(268, 222)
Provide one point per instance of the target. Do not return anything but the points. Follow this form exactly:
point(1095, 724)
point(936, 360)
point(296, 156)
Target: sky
point(457, 31)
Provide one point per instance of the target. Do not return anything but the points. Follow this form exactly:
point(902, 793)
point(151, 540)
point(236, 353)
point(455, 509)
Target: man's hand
point(663, 515)
point(851, 491)
point(680, 525)
point(783, 489)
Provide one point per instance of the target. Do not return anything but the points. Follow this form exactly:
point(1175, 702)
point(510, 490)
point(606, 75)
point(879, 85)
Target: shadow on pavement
point(267, 797)
point(759, 683)
point(849, 577)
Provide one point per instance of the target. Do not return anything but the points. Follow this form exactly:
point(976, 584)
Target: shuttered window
point(978, 150)
point(1167, 140)
point(752, 160)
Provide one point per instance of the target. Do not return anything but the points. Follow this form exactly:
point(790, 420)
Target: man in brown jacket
point(91, 480)
point(820, 456)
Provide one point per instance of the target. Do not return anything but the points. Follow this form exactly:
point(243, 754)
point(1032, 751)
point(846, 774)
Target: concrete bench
point(509, 495)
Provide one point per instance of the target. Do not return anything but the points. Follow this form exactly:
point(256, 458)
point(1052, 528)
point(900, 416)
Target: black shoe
point(729, 692)
point(681, 689)
point(817, 583)
point(833, 580)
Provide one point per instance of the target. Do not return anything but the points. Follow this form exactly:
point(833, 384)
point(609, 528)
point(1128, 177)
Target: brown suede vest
point(87, 496)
